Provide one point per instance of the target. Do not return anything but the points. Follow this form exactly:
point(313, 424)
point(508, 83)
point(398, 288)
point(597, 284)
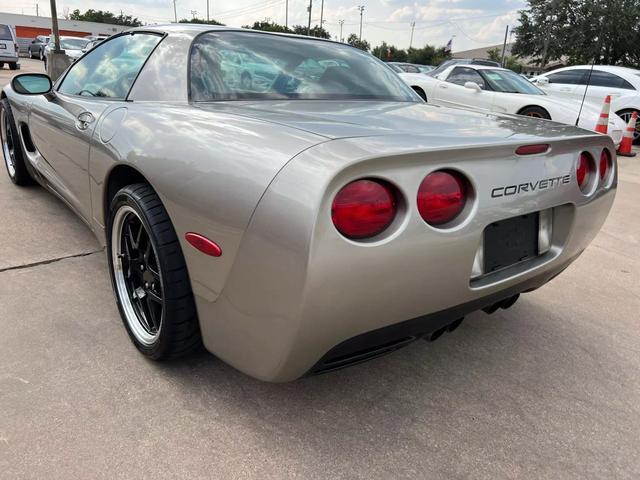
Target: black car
point(36, 48)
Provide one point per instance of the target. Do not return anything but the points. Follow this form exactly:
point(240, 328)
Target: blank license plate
point(510, 241)
point(3, 46)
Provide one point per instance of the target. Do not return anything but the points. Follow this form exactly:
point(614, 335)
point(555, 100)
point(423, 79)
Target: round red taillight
point(441, 197)
point(605, 163)
point(584, 170)
point(364, 208)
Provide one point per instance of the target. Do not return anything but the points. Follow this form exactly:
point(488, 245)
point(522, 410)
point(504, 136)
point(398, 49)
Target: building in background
point(28, 26)
point(530, 68)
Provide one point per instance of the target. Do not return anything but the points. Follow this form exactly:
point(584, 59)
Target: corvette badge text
point(545, 184)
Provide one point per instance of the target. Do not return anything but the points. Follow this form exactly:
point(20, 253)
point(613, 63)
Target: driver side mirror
point(542, 81)
point(472, 86)
point(32, 84)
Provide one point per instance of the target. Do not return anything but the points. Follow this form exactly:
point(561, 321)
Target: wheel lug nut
point(142, 268)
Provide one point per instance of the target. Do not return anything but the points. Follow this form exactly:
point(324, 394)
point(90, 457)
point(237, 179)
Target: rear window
point(239, 65)
point(5, 33)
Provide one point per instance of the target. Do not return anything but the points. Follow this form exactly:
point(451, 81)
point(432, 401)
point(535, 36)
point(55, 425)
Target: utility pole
point(361, 8)
point(194, 14)
point(286, 14)
point(207, 10)
point(341, 22)
point(54, 26)
point(504, 45)
point(37, 12)
point(321, 12)
point(309, 25)
point(413, 26)
point(175, 12)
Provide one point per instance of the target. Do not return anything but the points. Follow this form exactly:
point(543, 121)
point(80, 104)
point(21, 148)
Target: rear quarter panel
point(209, 170)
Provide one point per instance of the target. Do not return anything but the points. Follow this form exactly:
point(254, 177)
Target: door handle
point(442, 85)
point(84, 120)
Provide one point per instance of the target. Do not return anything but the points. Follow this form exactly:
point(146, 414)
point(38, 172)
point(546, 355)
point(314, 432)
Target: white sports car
point(500, 90)
point(623, 84)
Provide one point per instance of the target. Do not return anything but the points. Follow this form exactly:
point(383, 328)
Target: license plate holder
point(510, 241)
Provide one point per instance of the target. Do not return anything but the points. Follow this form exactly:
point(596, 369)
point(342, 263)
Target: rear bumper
point(300, 295)
point(388, 339)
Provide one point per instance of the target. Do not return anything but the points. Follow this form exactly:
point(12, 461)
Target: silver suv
point(8, 47)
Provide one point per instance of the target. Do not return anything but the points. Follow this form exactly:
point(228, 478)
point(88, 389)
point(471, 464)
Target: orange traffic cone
point(603, 121)
point(627, 139)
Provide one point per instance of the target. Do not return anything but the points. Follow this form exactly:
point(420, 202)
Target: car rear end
point(333, 271)
point(8, 46)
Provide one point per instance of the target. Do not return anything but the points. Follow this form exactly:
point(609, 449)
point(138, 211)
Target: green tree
point(269, 27)
point(316, 31)
point(511, 62)
point(580, 31)
point(355, 42)
point(200, 21)
point(428, 55)
point(494, 54)
point(389, 53)
point(101, 16)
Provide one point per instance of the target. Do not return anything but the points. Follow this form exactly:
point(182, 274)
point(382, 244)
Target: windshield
point(507, 81)
point(73, 43)
point(239, 65)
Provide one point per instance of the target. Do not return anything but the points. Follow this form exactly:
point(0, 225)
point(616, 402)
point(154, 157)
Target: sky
point(471, 23)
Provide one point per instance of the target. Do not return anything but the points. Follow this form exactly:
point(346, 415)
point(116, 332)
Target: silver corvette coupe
point(292, 205)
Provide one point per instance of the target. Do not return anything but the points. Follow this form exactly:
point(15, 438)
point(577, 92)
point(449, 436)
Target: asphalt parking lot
point(548, 389)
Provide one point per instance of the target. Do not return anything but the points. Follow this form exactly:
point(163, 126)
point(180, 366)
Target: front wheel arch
point(541, 111)
point(625, 111)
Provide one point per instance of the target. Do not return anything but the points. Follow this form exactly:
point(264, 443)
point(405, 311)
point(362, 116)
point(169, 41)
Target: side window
point(411, 69)
point(569, 77)
point(109, 70)
point(606, 79)
point(462, 75)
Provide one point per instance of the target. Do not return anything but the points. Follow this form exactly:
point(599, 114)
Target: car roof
point(604, 68)
point(478, 67)
point(195, 29)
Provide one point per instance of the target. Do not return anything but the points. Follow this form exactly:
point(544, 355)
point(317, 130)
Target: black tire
point(626, 115)
point(1, 64)
point(13, 65)
point(179, 331)
point(420, 92)
point(535, 112)
point(41, 54)
point(20, 174)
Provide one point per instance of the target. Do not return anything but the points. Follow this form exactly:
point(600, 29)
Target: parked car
point(36, 47)
point(72, 47)
point(412, 67)
point(500, 90)
point(92, 43)
point(623, 84)
point(9, 51)
point(306, 226)
point(425, 68)
point(462, 61)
